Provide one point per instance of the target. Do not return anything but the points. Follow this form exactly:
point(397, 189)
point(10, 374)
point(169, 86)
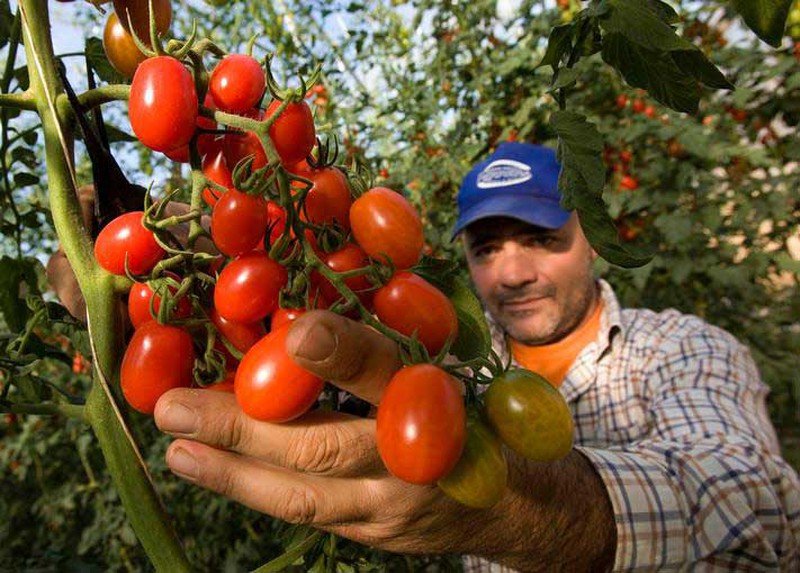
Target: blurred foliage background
point(420, 91)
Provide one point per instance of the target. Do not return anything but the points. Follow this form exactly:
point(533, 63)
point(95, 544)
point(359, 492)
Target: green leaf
point(664, 11)
point(580, 154)
point(650, 70)
point(641, 24)
point(17, 279)
point(767, 18)
point(581, 182)
point(474, 338)
point(696, 64)
point(558, 45)
point(566, 77)
point(676, 227)
point(98, 60)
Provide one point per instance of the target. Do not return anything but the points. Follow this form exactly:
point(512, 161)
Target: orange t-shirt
point(554, 360)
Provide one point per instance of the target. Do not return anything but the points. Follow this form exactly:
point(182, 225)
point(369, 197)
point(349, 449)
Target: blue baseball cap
point(519, 180)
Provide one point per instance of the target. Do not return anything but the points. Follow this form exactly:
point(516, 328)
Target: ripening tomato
point(293, 132)
point(247, 289)
point(387, 226)
point(284, 316)
point(270, 386)
point(139, 12)
point(158, 358)
point(622, 101)
point(408, 303)
point(421, 426)
point(638, 106)
point(120, 48)
point(237, 83)
point(349, 258)
point(479, 478)
point(163, 104)
point(139, 299)
point(126, 237)
point(238, 222)
point(216, 169)
point(529, 415)
point(225, 385)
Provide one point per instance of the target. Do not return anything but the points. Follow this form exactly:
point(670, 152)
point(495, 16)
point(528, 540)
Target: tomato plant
point(158, 358)
point(138, 12)
point(421, 426)
point(386, 226)
point(125, 240)
point(270, 386)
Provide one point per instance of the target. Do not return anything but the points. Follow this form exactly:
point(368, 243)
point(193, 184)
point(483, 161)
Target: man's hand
point(324, 470)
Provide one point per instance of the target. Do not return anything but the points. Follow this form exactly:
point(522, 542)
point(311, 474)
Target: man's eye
point(540, 240)
point(483, 251)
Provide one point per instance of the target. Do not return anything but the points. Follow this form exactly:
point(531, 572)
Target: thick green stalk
point(148, 518)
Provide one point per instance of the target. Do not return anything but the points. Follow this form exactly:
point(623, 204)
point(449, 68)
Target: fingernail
point(182, 463)
point(318, 343)
point(178, 419)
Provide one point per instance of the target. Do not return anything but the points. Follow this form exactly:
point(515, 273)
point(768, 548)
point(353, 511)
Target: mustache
point(519, 295)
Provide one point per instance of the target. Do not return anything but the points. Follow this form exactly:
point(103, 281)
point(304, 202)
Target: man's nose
point(517, 267)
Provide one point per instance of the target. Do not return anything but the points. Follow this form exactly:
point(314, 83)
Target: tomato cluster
point(294, 231)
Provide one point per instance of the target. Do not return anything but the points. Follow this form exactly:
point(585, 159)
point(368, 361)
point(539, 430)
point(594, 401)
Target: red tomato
point(247, 289)
point(284, 316)
point(124, 237)
point(408, 303)
point(225, 386)
point(328, 201)
point(163, 104)
point(120, 48)
point(348, 258)
point(216, 168)
point(629, 183)
point(241, 335)
point(386, 225)
point(421, 426)
point(139, 304)
point(158, 358)
point(238, 222)
point(625, 156)
point(638, 106)
point(293, 132)
point(622, 101)
point(270, 386)
point(237, 83)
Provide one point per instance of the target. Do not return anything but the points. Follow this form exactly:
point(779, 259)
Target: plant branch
point(104, 94)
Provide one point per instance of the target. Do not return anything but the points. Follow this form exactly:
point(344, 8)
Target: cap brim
point(535, 211)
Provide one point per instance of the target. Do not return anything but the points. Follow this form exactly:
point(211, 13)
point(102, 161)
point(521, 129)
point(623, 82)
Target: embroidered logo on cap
point(503, 173)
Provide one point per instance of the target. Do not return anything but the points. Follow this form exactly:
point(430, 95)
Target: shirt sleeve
point(707, 486)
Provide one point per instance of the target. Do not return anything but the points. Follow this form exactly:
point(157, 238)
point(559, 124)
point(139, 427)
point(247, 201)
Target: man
point(675, 466)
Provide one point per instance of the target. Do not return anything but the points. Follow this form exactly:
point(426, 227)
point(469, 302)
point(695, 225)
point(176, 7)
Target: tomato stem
point(104, 94)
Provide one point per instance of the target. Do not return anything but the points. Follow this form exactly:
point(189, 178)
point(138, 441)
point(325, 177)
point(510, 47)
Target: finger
point(320, 442)
point(352, 355)
point(287, 495)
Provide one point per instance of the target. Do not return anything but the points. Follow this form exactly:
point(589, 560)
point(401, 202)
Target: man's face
point(537, 283)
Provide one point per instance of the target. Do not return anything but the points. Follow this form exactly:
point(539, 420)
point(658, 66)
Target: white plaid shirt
point(671, 412)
